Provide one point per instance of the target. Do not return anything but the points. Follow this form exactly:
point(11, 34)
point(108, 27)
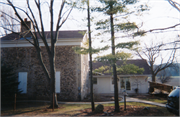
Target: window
point(94, 80)
point(128, 85)
point(122, 84)
point(22, 78)
point(112, 80)
point(57, 84)
point(125, 84)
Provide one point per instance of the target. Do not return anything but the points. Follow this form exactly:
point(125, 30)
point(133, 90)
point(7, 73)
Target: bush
point(99, 108)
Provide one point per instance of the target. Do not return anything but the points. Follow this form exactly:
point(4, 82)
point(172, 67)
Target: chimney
point(24, 30)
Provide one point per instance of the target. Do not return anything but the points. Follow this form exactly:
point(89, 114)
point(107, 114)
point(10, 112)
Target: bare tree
point(164, 77)
point(38, 24)
point(153, 53)
point(174, 4)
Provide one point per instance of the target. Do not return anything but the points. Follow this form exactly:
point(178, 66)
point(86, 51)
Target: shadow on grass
point(7, 109)
point(22, 112)
point(39, 108)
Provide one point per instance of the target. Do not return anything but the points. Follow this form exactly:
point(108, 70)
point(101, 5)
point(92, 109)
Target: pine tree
point(9, 83)
point(111, 8)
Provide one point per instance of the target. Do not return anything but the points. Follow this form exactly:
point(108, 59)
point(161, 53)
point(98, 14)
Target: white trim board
point(24, 43)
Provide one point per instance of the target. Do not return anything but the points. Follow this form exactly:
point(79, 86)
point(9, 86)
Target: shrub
point(99, 108)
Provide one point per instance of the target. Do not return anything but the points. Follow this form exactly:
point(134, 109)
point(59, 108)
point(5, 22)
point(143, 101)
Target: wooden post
point(53, 101)
point(125, 102)
point(15, 103)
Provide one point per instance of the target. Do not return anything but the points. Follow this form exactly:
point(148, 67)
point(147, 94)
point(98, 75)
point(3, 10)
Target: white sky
point(161, 15)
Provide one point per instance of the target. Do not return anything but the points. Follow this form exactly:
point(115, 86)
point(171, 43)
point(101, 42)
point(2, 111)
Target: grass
point(162, 101)
point(32, 109)
point(40, 109)
point(156, 99)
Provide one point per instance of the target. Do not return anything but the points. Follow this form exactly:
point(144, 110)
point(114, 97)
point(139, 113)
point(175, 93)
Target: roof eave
point(107, 76)
point(25, 43)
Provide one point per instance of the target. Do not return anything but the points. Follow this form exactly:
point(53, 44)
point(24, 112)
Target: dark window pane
point(112, 80)
point(128, 85)
point(94, 80)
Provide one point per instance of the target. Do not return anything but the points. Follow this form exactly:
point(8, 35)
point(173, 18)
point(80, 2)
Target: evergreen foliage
point(9, 83)
point(123, 69)
point(129, 69)
point(109, 57)
point(101, 69)
point(84, 50)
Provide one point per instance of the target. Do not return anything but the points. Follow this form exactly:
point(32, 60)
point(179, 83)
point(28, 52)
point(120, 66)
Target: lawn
point(40, 109)
point(162, 100)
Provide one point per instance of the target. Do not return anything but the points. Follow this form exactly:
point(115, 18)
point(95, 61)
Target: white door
point(22, 78)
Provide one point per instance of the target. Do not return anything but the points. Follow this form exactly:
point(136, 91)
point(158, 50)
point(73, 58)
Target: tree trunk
point(116, 99)
point(90, 58)
point(52, 92)
point(53, 80)
point(153, 78)
point(151, 89)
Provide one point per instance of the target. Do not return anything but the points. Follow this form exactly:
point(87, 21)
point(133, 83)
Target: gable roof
point(62, 35)
point(138, 62)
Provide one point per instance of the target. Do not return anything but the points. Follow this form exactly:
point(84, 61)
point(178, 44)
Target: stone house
point(72, 70)
point(103, 82)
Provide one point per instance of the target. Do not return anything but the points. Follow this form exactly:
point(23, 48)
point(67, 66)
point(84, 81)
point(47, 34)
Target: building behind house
point(104, 84)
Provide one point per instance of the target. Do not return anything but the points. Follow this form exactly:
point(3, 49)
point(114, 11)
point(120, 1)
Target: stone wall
point(24, 59)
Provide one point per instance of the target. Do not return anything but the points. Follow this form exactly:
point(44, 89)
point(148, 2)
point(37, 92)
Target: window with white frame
point(128, 85)
point(22, 78)
point(57, 84)
point(125, 83)
point(122, 84)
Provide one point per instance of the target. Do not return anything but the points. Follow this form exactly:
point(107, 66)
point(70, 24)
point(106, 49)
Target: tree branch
point(59, 19)
point(10, 16)
point(42, 35)
point(34, 36)
point(59, 25)
point(175, 4)
point(51, 22)
point(42, 63)
point(17, 14)
point(163, 28)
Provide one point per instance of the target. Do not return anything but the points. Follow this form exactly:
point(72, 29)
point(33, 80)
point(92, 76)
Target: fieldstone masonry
point(73, 71)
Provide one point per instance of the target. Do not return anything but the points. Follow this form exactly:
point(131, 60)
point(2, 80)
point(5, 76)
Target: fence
point(160, 86)
point(12, 101)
